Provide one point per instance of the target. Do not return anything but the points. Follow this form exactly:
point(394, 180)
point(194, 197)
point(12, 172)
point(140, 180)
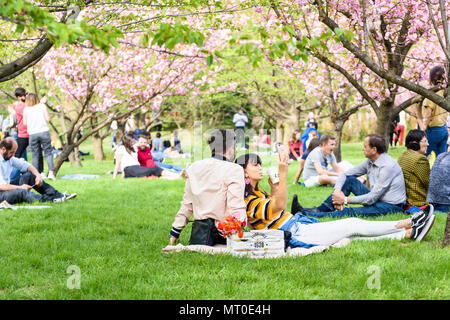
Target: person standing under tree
point(36, 118)
point(434, 121)
point(239, 120)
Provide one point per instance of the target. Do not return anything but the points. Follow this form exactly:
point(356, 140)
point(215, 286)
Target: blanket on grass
point(5, 205)
point(222, 249)
point(79, 176)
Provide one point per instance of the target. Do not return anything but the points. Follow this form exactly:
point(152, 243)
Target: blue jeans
point(353, 185)
point(158, 155)
point(168, 166)
point(437, 139)
point(293, 226)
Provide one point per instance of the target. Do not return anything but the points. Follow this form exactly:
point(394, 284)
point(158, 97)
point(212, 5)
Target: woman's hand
point(283, 163)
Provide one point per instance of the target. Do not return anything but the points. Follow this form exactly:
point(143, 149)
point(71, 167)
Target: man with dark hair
point(214, 190)
point(387, 186)
point(22, 140)
point(316, 171)
point(18, 190)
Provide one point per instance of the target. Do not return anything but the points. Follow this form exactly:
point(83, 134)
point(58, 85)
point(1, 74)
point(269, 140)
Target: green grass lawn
point(115, 229)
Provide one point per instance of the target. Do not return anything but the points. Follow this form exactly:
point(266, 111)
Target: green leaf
point(19, 28)
point(209, 60)
point(289, 30)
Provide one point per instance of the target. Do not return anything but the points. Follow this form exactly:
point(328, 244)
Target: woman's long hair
point(294, 136)
point(128, 142)
point(243, 161)
point(31, 100)
point(314, 143)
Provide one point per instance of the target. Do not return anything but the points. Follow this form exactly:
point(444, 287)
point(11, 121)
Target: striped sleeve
point(259, 208)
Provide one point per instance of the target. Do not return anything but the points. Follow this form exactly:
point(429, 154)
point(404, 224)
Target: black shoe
point(420, 230)
point(295, 206)
point(419, 217)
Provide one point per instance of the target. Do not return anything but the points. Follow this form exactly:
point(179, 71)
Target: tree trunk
point(97, 144)
point(67, 154)
point(279, 131)
point(338, 126)
point(74, 158)
point(290, 125)
point(384, 120)
point(446, 241)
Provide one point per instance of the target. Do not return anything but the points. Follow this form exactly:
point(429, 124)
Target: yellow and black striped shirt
point(260, 214)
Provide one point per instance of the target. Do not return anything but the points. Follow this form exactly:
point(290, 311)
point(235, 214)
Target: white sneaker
point(51, 176)
point(62, 199)
point(43, 176)
point(69, 196)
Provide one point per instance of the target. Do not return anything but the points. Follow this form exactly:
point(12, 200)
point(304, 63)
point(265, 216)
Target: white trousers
point(328, 233)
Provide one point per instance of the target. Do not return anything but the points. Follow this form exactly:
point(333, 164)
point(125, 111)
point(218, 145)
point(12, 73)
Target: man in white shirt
point(316, 172)
point(214, 189)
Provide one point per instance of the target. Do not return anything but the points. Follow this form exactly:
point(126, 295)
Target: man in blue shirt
point(18, 190)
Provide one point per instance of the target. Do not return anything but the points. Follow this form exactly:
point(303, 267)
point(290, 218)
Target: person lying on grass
point(387, 192)
point(127, 162)
point(214, 190)
point(266, 211)
point(18, 190)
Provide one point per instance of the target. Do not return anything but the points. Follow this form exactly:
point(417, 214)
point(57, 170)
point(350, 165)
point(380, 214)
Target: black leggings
point(22, 144)
point(139, 171)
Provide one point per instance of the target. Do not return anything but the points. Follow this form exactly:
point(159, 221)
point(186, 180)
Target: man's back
point(214, 189)
point(416, 172)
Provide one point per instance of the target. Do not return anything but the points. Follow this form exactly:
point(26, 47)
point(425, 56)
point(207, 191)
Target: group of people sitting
point(220, 186)
point(134, 159)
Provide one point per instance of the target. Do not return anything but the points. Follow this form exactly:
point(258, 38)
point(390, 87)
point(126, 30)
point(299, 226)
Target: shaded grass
point(115, 229)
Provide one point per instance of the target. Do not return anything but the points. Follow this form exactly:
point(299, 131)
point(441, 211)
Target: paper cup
point(273, 174)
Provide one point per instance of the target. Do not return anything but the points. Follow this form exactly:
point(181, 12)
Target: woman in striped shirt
point(266, 211)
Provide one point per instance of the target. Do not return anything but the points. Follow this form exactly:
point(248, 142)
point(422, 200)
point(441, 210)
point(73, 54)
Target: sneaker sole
point(72, 196)
point(427, 228)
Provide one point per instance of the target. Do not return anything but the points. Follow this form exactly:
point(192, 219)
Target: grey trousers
point(36, 141)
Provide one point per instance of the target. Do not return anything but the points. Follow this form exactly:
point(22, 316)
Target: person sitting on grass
point(127, 162)
point(145, 157)
point(416, 169)
point(18, 190)
point(301, 163)
point(296, 146)
point(439, 187)
point(387, 186)
point(266, 211)
point(315, 171)
point(214, 190)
